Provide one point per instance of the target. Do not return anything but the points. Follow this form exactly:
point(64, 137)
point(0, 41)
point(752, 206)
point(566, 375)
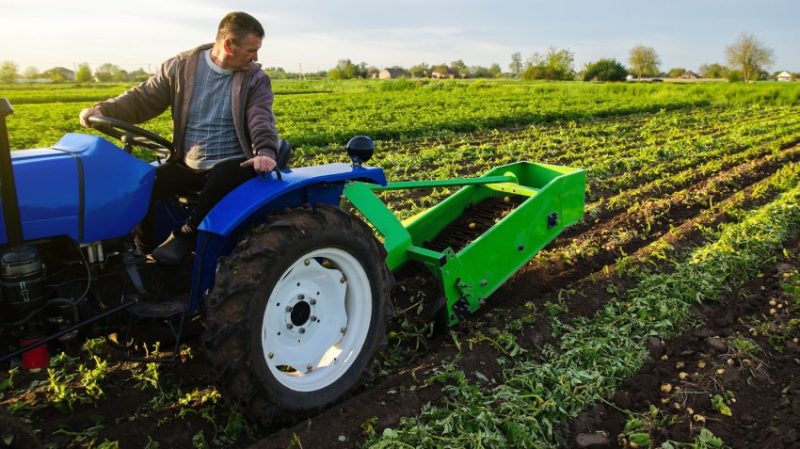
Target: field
point(669, 317)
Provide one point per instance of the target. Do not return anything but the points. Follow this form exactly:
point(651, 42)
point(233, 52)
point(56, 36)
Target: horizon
point(312, 36)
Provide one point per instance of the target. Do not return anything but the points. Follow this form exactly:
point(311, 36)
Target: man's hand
point(89, 112)
point(260, 163)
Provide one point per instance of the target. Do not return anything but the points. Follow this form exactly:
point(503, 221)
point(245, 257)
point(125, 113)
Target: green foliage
point(676, 72)
point(8, 72)
point(750, 55)
point(643, 61)
point(84, 73)
point(735, 76)
point(554, 64)
point(538, 395)
point(345, 70)
point(605, 70)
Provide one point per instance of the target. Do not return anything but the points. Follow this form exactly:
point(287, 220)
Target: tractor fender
point(253, 200)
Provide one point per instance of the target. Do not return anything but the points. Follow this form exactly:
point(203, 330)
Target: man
point(223, 125)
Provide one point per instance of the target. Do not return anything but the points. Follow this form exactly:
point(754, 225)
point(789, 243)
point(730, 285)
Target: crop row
point(612, 169)
point(539, 393)
point(319, 119)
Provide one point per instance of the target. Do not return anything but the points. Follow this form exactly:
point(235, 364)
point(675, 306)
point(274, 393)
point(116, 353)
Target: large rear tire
point(298, 312)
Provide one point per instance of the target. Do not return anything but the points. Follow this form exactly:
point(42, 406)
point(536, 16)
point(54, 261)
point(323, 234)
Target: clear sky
point(316, 33)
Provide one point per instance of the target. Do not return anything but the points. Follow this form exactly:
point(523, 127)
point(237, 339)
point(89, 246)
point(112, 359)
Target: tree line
point(9, 73)
point(748, 60)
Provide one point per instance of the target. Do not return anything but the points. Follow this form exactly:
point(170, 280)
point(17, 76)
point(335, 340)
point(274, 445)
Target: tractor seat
point(282, 160)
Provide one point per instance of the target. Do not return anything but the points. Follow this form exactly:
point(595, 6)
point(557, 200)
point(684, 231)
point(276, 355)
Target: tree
point(8, 72)
point(344, 70)
point(750, 55)
point(605, 70)
point(120, 76)
point(713, 71)
point(643, 61)
point(84, 73)
point(495, 70)
point(106, 72)
point(554, 64)
point(676, 72)
point(441, 70)
point(516, 64)
point(31, 73)
point(138, 75)
point(420, 70)
point(459, 69)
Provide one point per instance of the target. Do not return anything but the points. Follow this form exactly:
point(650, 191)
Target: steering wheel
point(131, 135)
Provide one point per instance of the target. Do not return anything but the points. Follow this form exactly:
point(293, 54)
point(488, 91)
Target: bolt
point(307, 262)
point(484, 282)
point(312, 318)
point(343, 330)
point(301, 296)
point(312, 301)
point(302, 330)
point(309, 367)
point(289, 309)
point(271, 355)
point(289, 325)
point(343, 280)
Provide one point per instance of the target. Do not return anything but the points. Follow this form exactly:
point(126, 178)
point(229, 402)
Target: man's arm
point(261, 126)
point(140, 104)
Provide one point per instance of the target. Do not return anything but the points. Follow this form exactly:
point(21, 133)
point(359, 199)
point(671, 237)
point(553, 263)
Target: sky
point(312, 35)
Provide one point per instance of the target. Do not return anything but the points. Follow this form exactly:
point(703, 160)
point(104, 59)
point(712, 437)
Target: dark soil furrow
point(744, 356)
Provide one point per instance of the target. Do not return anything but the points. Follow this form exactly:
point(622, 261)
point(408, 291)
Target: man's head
point(239, 36)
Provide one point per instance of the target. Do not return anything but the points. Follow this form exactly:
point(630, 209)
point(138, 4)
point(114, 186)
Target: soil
point(759, 385)
point(577, 271)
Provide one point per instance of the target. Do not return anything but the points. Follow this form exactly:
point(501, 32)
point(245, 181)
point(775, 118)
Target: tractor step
point(171, 314)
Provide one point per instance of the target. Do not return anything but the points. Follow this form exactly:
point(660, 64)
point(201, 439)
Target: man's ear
point(227, 44)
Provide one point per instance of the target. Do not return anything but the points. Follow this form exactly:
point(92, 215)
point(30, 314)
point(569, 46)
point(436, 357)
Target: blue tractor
point(294, 290)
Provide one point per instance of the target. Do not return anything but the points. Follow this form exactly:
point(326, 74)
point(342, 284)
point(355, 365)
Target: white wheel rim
point(316, 320)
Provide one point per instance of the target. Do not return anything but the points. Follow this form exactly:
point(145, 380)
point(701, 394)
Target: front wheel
point(298, 312)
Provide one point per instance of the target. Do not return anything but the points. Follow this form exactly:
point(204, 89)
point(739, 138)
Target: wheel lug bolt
point(289, 325)
point(271, 355)
point(312, 318)
point(342, 280)
point(343, 330)
point(309, 367)
point(302, 330)
point(312, 301)
point(307, 261)
point(289, 309)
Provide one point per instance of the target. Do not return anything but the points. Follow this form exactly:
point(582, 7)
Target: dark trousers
point(177, 179)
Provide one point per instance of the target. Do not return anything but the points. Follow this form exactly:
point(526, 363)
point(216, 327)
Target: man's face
point(243, 53)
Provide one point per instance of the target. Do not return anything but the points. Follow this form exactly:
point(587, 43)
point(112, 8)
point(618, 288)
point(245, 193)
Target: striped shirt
point(210, 133)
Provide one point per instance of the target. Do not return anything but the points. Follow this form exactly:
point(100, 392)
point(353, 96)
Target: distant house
point(689, 75)
point(784, 76)
point(390, 73)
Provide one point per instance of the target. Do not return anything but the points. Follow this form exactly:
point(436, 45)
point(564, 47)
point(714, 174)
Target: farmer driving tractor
point(223, 125)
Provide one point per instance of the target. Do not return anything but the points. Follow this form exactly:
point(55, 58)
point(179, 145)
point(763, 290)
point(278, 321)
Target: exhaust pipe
point(11, 213)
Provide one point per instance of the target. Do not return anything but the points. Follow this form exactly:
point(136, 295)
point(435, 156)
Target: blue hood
point(82, 187)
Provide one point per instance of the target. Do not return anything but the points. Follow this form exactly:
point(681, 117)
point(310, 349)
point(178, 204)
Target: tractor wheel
point(298, 312)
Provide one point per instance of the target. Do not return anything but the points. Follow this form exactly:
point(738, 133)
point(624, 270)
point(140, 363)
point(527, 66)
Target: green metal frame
point(554, 200)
